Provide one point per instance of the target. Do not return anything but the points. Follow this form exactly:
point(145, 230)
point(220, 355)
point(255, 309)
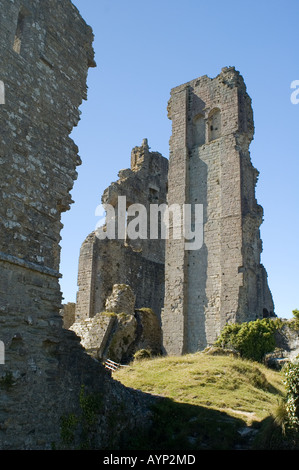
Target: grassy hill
point(207, 401)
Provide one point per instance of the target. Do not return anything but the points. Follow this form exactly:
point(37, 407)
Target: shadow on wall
point(197, 280)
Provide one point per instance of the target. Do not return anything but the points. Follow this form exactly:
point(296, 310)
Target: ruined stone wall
point(210, 164)
point(115, 263)
point(138, 263)
point(121, 330)
point(68, 313)
point(46, 50)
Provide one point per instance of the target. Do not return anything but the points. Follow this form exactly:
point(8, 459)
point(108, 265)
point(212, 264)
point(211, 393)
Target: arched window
point(199, 130)
point(214, 124)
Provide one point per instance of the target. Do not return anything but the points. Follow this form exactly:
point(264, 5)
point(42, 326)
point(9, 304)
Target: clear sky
point(145, 48)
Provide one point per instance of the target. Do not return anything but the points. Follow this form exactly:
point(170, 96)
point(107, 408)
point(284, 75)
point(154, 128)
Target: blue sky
point(145, 48)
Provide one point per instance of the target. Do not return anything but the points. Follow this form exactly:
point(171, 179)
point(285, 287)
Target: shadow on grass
point(180, 426)
point(272, 437)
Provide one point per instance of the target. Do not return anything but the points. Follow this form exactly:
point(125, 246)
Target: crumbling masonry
point(209, 164)
point(219, 282)
point(46, 50)
point(138, 263)
point(124, 268)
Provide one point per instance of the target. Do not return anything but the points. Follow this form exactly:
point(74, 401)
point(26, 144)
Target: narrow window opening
point(266, 313)
point(2, 92)
point(214, 124)
point(19, 33)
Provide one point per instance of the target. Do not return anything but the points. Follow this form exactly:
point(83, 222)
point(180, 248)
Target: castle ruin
point(209, 164)
point(207, 286)
point(46, 51)
point(138, 262)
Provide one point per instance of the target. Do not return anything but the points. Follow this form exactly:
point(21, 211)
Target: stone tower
point(223, 281)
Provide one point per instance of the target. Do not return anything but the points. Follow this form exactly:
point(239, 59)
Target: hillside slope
point(209, 401)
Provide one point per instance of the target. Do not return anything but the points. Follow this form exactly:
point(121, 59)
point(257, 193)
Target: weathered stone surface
point(95, 332)
point(133, 333)
point(287, 339)
point(111, 334)
point(118, 275)
point(121, 300)
point(68, 313)
point(287, 346)
point(210, 164)
point(212, 127)
point(138, 263)
point(120, 331)
point(45, 53)
point(150, 333)
point(119, 348)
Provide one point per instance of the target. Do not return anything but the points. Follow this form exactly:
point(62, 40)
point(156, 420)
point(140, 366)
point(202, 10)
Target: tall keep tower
point(223, 281)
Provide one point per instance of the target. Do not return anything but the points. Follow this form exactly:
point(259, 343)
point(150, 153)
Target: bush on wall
point(252, 340)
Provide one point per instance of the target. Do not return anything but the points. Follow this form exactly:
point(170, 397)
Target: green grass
point(206, 399)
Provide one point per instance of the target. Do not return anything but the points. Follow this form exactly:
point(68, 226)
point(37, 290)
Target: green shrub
point(296, 318)
point(292, 394)
point(252, 340)
point(142, 354)
point(282, 430)
point(68, 427)
point(83, 425)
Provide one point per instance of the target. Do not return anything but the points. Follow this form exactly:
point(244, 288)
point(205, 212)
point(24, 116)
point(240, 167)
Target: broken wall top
point(203, 97)
point(45, 55)
point(144, 182)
